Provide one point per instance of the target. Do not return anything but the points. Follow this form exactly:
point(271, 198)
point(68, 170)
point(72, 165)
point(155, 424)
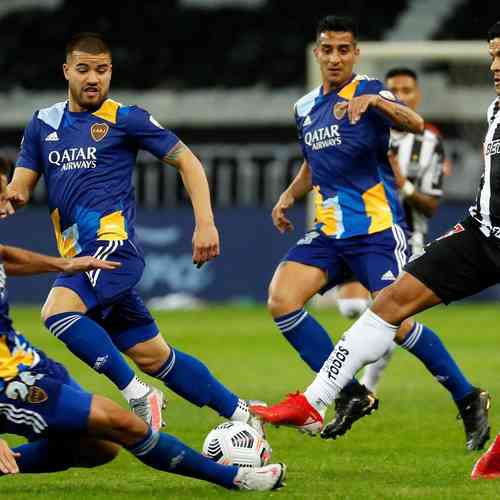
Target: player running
point(85, 148)
point(344, 130)
point(461, 263)
point(69, 427)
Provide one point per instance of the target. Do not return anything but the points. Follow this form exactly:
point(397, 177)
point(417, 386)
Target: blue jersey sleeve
point(148, 133)
point(29, 156)
point(299, 123)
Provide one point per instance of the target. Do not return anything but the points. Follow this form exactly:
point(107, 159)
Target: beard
point(86, 103)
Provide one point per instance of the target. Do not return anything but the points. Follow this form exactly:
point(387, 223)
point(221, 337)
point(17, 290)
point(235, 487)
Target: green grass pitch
point(412, 448)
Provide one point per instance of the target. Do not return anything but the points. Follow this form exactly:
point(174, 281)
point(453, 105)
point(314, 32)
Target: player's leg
point(166, 453)
point(460, 259)
point(292, 285)
point(353, 299)
point(136, 334)
point(65, 316)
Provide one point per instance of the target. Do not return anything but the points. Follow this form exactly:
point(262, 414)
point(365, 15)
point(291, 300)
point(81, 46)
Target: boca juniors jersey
point(16, 353)
point(87, 160)
point(353, 185)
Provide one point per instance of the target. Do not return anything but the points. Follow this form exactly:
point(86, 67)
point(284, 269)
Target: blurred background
point(224, 75)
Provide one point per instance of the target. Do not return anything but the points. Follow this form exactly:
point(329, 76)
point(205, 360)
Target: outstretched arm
point(298, 188)
point(206, 237)
point(20, 262)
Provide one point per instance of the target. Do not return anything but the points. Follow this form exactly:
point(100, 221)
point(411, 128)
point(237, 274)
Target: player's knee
point(280, 303)
point(404, 329)
point(150, 356)
point(352, 308)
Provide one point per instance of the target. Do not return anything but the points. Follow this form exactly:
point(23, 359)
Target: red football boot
point(488, 466)
point(294, 411)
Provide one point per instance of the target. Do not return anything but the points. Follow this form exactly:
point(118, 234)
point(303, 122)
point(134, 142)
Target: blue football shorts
point(375, 259)
point(111, 297)
point(44, 402)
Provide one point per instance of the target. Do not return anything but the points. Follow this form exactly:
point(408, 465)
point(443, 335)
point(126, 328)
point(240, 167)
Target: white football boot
point(149, 407)
point(269, 477)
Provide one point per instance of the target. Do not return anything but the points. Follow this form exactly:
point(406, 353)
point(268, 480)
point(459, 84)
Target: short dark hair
point(5, 165)
point(91, 43)
point(337, 23)
point(494, 31)
point(402, 71)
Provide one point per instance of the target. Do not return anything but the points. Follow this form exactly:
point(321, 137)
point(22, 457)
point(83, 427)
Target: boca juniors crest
point(339, 110)
point(98, 131)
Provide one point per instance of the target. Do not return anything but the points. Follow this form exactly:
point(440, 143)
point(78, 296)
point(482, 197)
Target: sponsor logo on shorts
point(37, 395)
point(492, 148)
point(99, 131)
point(388, 276)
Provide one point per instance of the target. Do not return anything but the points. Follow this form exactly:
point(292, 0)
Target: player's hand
point(87, 263)
point(280, 220)
point(206, 244)
point(396, 168)
point(8, 464)
point(358, 105)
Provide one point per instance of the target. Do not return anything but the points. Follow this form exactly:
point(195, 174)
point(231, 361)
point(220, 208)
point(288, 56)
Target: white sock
point(241, 413)
point(135, 389)
point(373, 372)
point(352, 308)
point(365, 342)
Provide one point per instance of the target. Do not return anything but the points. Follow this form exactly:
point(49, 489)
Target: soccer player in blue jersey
point(343, 128)
point(69, 427)
point(85, 149)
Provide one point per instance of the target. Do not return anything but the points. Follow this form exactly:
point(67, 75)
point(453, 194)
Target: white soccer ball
point(236, 443)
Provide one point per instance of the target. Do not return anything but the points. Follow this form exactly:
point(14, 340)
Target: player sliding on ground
point(85, 148)
point(344, 127)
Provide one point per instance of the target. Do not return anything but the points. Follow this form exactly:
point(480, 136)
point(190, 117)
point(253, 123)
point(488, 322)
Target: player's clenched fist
point(280, 220)
point(205, 244)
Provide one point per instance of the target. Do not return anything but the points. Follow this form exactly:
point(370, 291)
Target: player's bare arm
point(424, 203)
point(301, 185)
point(20, 262)
point(19, 190)
point(8, 464)
point(401, 116)
point(206, 237)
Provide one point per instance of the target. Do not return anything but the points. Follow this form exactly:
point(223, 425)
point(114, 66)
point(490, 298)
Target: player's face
point(89, 77)
point(336, 53)
point(406, 89)
point(495, 62)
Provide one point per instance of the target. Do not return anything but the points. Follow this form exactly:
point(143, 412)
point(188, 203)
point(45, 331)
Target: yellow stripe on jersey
point(324, 215)
point(108, 110)
point(9, 363)
point(349, 90)
point(112, 227)
point(67, 242)
point(377, 208)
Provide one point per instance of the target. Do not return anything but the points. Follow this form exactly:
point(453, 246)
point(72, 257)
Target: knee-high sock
point(43, 456)
point(423, 343)
point(191, 379)
point(373, 371)
point(365, 342)
point(91, 343)
point(307, 337)
point(165, 452)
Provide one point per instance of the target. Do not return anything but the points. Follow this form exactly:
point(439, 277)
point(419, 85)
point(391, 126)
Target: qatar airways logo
point(323, 137)
point(74, 158)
